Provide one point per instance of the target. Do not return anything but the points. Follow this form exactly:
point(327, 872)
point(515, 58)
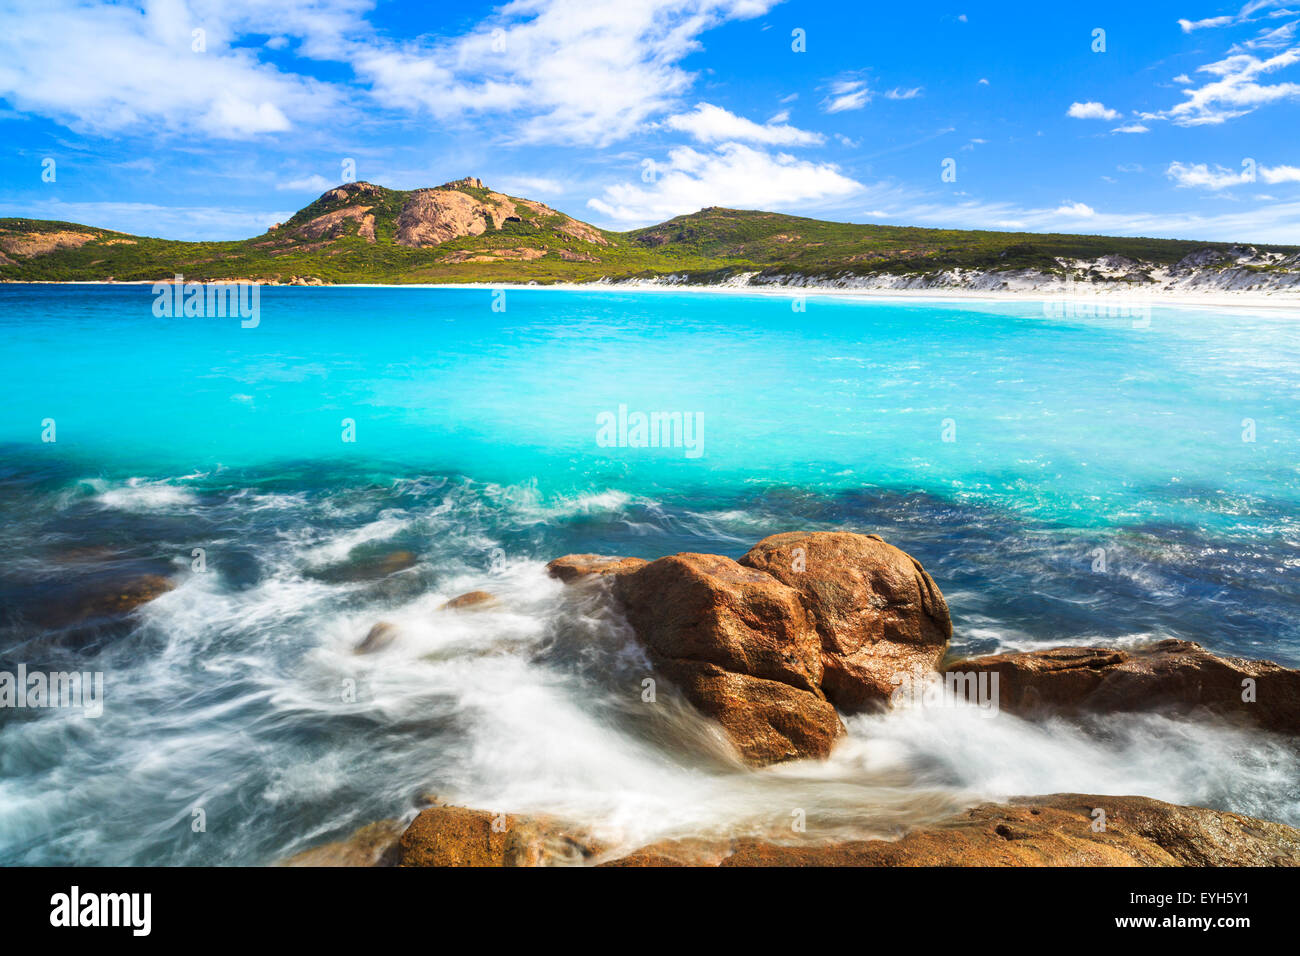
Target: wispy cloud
point(313, 183)
point(1203, 176)
point(149, 219)
point(1267, 221)
point(1246, 14)
point(847, 94)
point(1235, 90)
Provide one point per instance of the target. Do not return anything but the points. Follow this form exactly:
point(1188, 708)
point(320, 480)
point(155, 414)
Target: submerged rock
point(375, 844)
point(103, 598)
point(1168, 675)
point(1055, 830)
point(124, 597)
point(472, 599)
point(380, 635)
point(368, 567)
point(877, 612)
point(455, 836)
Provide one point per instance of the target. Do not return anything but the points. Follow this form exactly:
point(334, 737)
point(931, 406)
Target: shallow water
point(476, 452)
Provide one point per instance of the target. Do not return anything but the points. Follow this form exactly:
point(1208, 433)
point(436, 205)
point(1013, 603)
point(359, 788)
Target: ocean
point(1066, 478)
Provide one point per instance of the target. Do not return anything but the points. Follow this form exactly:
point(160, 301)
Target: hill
point(463, 231)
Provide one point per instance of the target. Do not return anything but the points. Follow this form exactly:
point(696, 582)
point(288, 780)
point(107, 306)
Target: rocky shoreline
point(1053, 830)
point(774, 649)
point(806, 627)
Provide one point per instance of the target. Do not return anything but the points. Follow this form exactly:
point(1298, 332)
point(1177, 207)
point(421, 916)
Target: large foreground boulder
point(1171, 676)
point(1056, 830)
point(770, 645)
point(740, 646)
point(877, 612)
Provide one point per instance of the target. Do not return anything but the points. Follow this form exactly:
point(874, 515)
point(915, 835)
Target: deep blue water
point(476, 449)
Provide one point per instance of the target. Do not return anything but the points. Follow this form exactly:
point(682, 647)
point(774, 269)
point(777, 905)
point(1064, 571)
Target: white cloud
point(1201, 175)
point(108, 68)
point(713, 124)
point(1092, 110)
point(1190, 25)
point(904, 94)
point(545, 70)
point(983, 82)
point(733, 175)
point(1280, 174)
point(1132, 128)
point(1076, 209)
point(562, 70)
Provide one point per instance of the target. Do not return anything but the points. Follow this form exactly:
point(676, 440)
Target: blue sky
point(1178, 119)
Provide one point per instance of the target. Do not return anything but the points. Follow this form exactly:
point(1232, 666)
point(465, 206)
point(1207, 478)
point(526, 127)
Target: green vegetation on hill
point(354, 233)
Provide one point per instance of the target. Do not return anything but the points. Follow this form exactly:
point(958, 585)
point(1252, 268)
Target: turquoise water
point(476, 449)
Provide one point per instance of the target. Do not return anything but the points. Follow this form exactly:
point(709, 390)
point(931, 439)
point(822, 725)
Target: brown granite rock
point(879, 615)
point(1055, 830)
point(455, 836)
point(1168, 675)
point(769, 721)
point(739, 645)
point(682, 852)
point(769, 646)
point(571, 567)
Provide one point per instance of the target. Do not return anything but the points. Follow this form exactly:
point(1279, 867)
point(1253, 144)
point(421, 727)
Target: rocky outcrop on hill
point(434, 216)
point(1170, 676)
point(332, 225)
point(39, 244)
point(768, 646)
